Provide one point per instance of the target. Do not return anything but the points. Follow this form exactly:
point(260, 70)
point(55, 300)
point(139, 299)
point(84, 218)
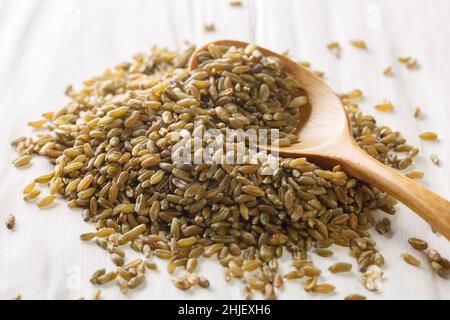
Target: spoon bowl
point(325, 137)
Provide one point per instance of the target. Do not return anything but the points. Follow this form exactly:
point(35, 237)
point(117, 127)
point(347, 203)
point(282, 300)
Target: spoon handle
point(431, 207)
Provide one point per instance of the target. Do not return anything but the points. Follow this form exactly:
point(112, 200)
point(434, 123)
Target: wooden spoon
point(326, 138)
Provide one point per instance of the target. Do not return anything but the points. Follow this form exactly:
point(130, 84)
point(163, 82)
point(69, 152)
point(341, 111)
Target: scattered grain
point(209, 27)
point(136, 281)
point(46, 201)
point(87, 236)
point(182, 283)
point(96, 295)
point(325, 288)
point(428, 136)
point(113, 159)
point(37, 124)
point(372, 279)
point(292, 275)
point(32, 195)
point(10, 221)
point(415, 175)
point(335, 48)
point(324, 253)
point(409, 62)
point(355, 297)
point(435, 159)
point(358, 44)
point(387, 106)
point(418, 244)
point(29, 187)
point(340, 267)
point(388, 72)
point(22, 161)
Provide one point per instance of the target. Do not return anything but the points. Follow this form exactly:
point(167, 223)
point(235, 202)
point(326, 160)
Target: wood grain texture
point(45, 45)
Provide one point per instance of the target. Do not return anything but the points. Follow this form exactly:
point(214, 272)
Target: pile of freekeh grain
point(112, 143)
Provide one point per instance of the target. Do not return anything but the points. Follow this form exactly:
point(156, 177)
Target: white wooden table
point(45, 45)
